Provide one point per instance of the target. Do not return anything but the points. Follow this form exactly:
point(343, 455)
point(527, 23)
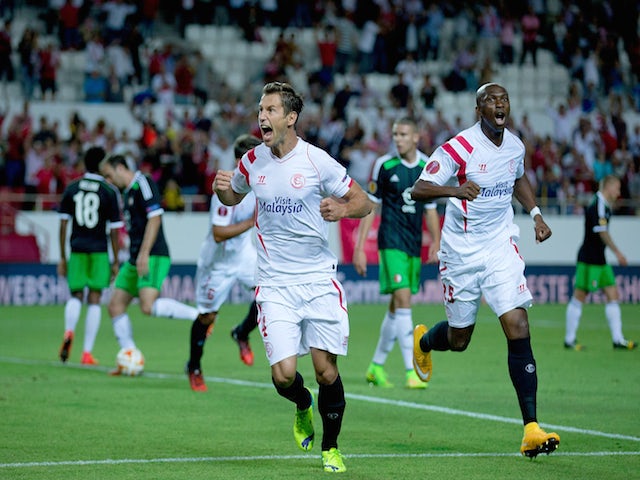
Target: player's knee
point(459, 345)
point(207, 318)
point(115, 309)
point(282, 379)
point(146, 309)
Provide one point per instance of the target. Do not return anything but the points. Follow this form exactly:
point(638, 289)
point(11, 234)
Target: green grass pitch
point(70, 422)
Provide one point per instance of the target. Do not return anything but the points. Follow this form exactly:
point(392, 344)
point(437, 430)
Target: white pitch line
point(124, 461)
point(364, 398)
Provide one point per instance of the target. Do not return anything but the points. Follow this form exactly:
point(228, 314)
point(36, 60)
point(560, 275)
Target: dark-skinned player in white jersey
point(479, 171)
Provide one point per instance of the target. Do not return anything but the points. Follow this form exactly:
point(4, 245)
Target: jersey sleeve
point(599, 217)
point(440, 168)
point(65, 211)
point(152, 198)
point(220, 213)
point(335, 179)
point(240, 180)
point(375, 187)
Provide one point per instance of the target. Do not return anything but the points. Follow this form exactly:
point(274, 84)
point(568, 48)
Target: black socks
point(436, 338)
point(198, 336)
point(522, 369)
point(331, 405)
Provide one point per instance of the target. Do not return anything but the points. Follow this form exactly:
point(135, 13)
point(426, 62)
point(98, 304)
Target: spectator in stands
point(346, 41)
point(117, 12)
point(6, 64)
point(132, 42)
point(410, 70)
point(530, 25)
point(204, 78)
point(360, 158)
point(587, 142)
point(507, 38)
point(488, 32)
point(28, 52)
point(163, 85)
point(400, 94)
point(184, 75)
point(431, 30)
point(327, 48)
point(69, 17)
point(95, 54)
point(120, 67)
point(49, 61)
point(366, 44)
point(564, 123)
point(149, 14)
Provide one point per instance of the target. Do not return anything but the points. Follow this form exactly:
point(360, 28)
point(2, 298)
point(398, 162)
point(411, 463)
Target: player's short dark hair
point(244, 143)
point(115, 160)
point(291, 100)
point(92, 158)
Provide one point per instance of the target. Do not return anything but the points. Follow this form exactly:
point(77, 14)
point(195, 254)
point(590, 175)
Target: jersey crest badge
point(297, 180)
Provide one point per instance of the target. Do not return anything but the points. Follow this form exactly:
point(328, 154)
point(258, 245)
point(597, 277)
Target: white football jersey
point(470, 227)
point(291, 235)
point(234, 250)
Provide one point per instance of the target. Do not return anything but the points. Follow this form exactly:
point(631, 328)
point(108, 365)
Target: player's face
point(273, 122)
point(111, 175)
point(494, 107)
point(405, 138)
point(612, 191)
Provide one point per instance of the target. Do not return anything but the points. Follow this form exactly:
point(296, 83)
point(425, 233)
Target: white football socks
point(404, 334)
point(168, 307)
point(386, 339)
point(123, 331)
point(574, 312)
point(92, 324)
point(72, 314)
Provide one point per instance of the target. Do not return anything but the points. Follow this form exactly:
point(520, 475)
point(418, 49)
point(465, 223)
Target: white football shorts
point(498, 275)
point(213, 286)
point(293, 319)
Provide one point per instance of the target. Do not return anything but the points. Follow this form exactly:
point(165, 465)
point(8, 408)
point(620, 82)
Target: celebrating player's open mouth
point(500, 118)
point(267, 133)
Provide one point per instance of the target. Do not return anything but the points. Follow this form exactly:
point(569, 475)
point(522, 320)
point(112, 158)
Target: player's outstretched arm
point(523, 192)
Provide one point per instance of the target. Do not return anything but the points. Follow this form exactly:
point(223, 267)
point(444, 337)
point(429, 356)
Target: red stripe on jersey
point(462, 171)
point(262, 243)
point(463, 141)
point(244, 172)
point(251, 155)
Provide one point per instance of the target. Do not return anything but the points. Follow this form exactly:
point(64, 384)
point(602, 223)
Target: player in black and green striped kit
point(92, 207)
point(399, 246)
point(593, 273)
point(149, 262)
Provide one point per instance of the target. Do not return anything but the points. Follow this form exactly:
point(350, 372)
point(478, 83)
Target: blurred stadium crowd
point(188, 76)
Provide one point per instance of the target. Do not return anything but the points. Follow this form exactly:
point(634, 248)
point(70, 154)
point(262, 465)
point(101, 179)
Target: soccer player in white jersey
point(227, 256)
point(479, 171)
point(302, 307)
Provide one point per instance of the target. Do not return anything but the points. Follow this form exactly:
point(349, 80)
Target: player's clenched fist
point(222, 181)
point(468, 191)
